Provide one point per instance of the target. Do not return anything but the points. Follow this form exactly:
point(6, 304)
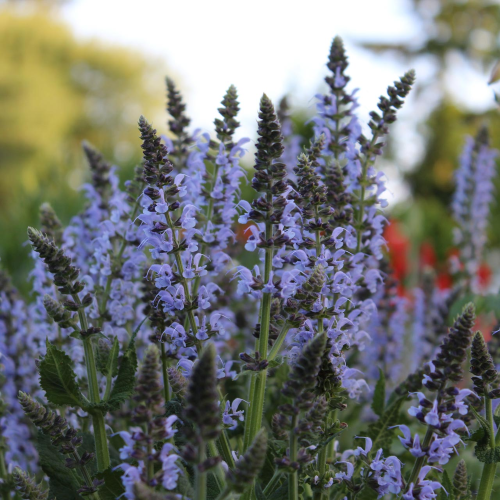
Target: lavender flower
point(472, 198)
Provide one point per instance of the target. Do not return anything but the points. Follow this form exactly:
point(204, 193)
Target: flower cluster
point(187, 339)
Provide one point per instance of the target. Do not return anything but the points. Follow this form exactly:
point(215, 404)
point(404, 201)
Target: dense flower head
point(482, 366)
point(453, 349)
point(471, 201)
point(65, 274)
point(179, 121)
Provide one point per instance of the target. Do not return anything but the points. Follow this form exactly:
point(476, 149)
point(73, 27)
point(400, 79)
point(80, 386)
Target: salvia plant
point(182, 342)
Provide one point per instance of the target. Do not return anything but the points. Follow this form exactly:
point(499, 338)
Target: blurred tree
point(453, 33)
point(466, 27)
point(55, 91)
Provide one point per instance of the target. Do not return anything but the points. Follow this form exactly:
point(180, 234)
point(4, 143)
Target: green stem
point(278, 342)
point(208, 215)
point(489, 470)
point(164, 367)
point(180, 270)
point(4, 475)
point(85, 474)
point(224, 494)
point(486, 484)
point(107, 289)
point(250, 411)
point(225, 447)
point(318, 494)
point(420, 460)
point(150, 466)
point(3, 468)
point(257, 400)
point(266, 303)
point(101, 441)
point(293, 480)
point(361, 209)
point(100, 437)
point(200, 478)
point(254, 423)
point(274, 481)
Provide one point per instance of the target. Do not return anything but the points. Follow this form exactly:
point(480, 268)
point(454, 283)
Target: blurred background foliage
point(56, 91)
point(457, 36)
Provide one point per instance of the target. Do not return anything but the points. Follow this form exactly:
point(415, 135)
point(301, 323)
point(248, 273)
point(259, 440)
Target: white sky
point(273, 46)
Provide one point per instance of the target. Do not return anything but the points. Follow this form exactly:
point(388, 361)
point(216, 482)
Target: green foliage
point(378, 403)
point(56, 91)
point(58, 379)
point(486, 454)
point(107, 362)
point(380, 431)
point(113, 487)
point(63, 483)
point(484, 304)
point(448, 485)
point(125, 380)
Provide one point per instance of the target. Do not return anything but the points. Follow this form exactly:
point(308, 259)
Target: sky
point(271, 46)
point(275, 46)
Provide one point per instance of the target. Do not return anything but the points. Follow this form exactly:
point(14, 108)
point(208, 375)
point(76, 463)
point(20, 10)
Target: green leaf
point(281, 493)
point(259, 494)
point(378, 403)
point(123, 387)
point(477, 436)
point(448, 485)
point(442, 495)
point(367, 494)
point(486, 454)
point(58, 379)
point(184, 487)
point(63, 483)
point(484, 424)
point(379, 431)
point(112, 364)
point(107, 362)
point(213, 489)
point(113, 487)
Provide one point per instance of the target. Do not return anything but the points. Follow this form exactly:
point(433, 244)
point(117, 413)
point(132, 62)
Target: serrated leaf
point(113, 487)
point(477, 436)
point(486, 454)
point(112, 364)
point(63, 484)
point(483, 422)
point(379, 431)
point(123, 387)
point(107, 361)
point(58, 379)
point(442, 495)
point(378, 403)
point(448, 485)
point(125, 381)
